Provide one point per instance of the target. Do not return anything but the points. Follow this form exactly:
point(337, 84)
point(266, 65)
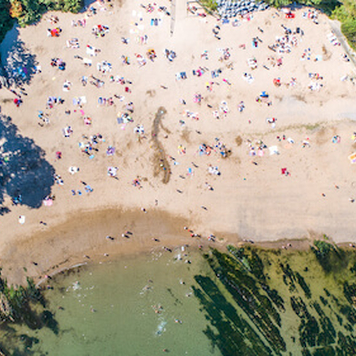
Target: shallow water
point(109, 309)
point(282, 303)
point(246, 302)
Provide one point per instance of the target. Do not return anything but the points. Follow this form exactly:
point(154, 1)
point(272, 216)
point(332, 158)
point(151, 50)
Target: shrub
point(348, 28)
point(210, 4)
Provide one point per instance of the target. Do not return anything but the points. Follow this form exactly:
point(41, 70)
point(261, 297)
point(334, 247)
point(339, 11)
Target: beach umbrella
point(112, 171)
point(264, 95)
point(48, 202)
point(110, 151)
point(73, 169)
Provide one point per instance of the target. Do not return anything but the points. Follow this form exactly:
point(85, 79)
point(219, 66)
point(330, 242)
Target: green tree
point(348, 28)
point(279, 3)
point(72, 5)
point(6, 22)
point(210, 4)
point(31, 12)
point(350, 6)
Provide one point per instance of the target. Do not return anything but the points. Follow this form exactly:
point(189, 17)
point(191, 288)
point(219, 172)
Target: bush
point(323, 248)
point(348, 28)
point(30, 12)
point(210, 4)
point(279, 3)
point(27, 12)
point(340, 13)
point(63, 5)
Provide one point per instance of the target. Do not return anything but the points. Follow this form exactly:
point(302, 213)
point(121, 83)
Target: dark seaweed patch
point(23, 306)
point(261, 282)
point(232, 334)
point(303, 285)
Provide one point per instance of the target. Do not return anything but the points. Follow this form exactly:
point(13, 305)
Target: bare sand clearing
point(251, 199)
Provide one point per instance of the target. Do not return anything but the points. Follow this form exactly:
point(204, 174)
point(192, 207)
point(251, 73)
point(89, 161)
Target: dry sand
point(249, 201)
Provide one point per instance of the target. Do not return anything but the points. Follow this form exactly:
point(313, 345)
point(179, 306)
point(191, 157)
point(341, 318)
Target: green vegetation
point(342, 10)
point(330, 257)
point(326, 6)
point(22, 305)
point(269, 302)
point(348, 28)
point(26, 12)
point(6, 22)
point(209, 4)
point(346, 14)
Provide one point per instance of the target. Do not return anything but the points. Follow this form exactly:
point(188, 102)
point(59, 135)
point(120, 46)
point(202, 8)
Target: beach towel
point(273, 150)
point(87, 61)
point(352, 158)
point(90, 50)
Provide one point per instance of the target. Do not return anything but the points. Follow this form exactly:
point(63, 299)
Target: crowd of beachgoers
point(241, 128)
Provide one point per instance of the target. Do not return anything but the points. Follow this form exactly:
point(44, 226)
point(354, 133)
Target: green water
point(109, 309)
point(273, 302)
point(247, 301)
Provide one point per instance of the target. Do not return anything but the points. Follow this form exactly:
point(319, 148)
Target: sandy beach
point(282, 160)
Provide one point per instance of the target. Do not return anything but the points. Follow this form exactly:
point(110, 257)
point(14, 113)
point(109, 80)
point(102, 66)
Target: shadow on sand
point(19, 65)
point(86, 5)
point(24, 171)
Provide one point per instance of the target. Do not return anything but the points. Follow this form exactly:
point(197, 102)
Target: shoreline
point(169, 231)
point(135, 248)
point(69, 246)
point(67, 255)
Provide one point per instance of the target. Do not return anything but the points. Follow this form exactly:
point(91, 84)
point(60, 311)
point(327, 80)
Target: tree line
point(27, 12)
point(342, 10)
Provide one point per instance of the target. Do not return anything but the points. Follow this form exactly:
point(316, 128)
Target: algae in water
point(260, 302)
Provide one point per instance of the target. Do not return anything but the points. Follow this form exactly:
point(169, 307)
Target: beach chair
point(273, 150)
point(90, 50)
point(248, 77)
point(87, 62)
point(252, 63)
point(352, 158)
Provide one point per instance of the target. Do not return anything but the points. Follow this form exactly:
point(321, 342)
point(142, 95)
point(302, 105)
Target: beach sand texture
point(250, 199)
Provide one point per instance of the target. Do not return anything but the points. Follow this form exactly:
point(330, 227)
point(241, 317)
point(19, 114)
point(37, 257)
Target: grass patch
point(211, 5)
